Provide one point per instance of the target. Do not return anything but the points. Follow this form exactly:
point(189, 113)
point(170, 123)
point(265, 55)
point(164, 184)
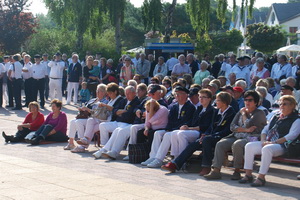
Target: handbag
point(139, 152)
point(83, 115)
point(30, 135)
point(101, 113)
point(292, 149)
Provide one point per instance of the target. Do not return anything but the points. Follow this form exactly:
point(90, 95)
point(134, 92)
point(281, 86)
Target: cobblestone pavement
point(49, 172)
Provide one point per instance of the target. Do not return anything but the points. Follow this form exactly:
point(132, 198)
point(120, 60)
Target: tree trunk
point(169, 21)
point(118, 35)
point(79, 42)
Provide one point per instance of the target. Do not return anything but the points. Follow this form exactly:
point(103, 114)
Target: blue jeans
point(207, 147)
point(44, 131)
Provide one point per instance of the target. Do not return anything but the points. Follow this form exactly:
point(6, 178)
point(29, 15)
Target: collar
point(222, 113)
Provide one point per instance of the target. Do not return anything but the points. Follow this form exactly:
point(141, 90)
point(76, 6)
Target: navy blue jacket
point(129, 115)
point(221, 126)
point(186, 113)
point(74, 73)
point(141, 106)
point(203, 120)
point(116, 104)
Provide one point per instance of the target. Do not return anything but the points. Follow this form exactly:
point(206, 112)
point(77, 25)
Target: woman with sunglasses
point(246, 126)
point(283, 127)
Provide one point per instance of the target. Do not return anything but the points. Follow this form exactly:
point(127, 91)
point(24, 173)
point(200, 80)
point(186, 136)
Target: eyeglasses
point(284, 104)
point(249, 100)
point(203, 97)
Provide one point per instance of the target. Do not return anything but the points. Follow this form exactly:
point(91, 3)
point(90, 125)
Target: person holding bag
point(282, 129)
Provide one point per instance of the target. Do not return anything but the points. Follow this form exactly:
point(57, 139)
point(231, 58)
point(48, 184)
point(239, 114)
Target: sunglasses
point(248, 100)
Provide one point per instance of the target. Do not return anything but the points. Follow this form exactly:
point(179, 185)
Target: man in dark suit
point(180, 114)
point(74, 77)
point(192, 63)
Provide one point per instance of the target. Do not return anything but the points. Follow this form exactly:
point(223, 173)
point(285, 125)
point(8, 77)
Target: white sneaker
point(126, 158)
point(145, 163)
point(98, 153)
point(155, 164)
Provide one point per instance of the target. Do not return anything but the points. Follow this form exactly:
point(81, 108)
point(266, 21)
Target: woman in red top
point(33, 120)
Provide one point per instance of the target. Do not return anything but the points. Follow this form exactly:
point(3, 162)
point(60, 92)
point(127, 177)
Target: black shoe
point(17, 108)
point(7, 137)
point(42, 107)
point(9, 106)
point(36, 141)
point(25, 106)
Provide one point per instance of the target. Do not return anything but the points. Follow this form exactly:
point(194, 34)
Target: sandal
point(258, 182)
point(246, 179)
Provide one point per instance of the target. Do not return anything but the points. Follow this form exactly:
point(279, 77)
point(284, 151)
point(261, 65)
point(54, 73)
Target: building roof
point(286, 11)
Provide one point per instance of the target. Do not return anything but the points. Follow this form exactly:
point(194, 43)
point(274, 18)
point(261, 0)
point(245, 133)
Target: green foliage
point(151, 15)
point(16, 26)
point(226, 41)
point(204, 43)
point(264, 38)
point(293, 1)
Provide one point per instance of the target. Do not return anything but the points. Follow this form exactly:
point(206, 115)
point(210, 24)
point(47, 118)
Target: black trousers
point(20, 135)
point(17, 88)
point(47, 87)
point(141, 138)
point(39, 87)
point(1, 93)
point(10, 93)
point(28, 88)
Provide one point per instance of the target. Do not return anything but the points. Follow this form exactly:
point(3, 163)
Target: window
point(293, 29)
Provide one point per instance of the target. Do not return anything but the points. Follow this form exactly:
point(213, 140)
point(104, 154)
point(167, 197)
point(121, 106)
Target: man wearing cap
point(56, 75)
point(7, 84)
point(74, 77)
point(281, 70)
point(154, 92)
point(15, 75)
point(180, 114)
point(45, 62)
point(238, 96)
point(194, 97)
point(39, 73)
point(27, 76)
point(241, 70)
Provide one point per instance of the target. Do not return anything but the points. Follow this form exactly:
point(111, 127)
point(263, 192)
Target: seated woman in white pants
point(180, 114)
point(283, 127)
point(87, 128)
point(202, 119)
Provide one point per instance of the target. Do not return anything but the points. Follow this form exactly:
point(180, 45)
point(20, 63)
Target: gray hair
point(292, 79)
point(101, 87)
point(75, 55)
point(192, 55)
point(132, 83)
point(204, 63)
point(260, 60)
point(161, 58)
point(180, 56)
point(242, 84)
point(130, 88)
point(262, 90)
point(110, 61)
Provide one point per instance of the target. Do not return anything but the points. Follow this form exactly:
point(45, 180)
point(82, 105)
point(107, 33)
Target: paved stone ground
point(49, 172)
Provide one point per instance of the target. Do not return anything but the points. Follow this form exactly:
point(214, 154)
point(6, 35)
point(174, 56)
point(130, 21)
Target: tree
point(151, 14)
point(81, 16)
point(169, 21)
point(293, 1)
point(116, 15)
point(226, 41)
point(16, 26)
point(264, 38)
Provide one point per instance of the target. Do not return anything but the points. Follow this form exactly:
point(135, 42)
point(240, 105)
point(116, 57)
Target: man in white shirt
point(143, 68)
point(39, 73)
point(136, 59)
point(7, 84)
point(28, 81)
point(2, 72)
point(171, 62)
point(281, 70)
point(45, 62)
point(15, 75)
point(55, 76)
point(241, 70)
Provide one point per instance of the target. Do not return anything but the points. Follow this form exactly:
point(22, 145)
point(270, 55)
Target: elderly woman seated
point(54, 127)
point(33, 120)
point(246, 126)
point(283, 128)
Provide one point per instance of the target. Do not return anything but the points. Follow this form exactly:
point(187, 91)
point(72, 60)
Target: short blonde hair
point(290, 99)
point(34, 103)
point(101, 87)
point(156, 104)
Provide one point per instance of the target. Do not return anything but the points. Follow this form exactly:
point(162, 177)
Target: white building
point(286, 15)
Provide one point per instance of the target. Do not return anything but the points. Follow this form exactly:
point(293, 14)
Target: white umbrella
point(292, 47)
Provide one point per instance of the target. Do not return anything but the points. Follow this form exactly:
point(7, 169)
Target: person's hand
point(138, 113)
point(184, 127)
point(20, 128)
point(202, 138)
point(101, 105)
point(120, 112)
point(266, 143)
point(146, 131)
point(144, 115)
point(251, 129)
point(239, 130)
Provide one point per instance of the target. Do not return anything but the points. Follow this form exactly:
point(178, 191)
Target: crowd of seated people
point(231, 106)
